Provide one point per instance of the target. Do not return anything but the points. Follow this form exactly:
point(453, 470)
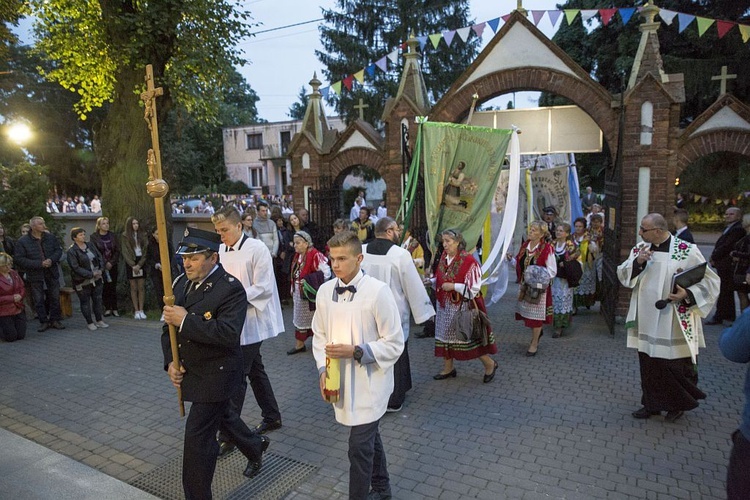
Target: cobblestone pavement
point(554, 426)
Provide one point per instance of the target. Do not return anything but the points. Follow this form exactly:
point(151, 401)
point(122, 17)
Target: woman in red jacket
point(12, 293)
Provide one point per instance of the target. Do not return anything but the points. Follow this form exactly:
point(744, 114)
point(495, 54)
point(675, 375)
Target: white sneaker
point(137, 315)
point(101, 324)
point(143, 315)
point(91, 326)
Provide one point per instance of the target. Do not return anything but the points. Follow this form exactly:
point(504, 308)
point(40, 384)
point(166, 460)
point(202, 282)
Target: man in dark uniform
point(721, 259)
point(209, 313)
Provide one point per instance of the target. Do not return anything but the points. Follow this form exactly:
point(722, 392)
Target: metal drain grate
point(278, 477)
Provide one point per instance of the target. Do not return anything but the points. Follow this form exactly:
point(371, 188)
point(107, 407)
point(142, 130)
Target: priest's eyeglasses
point(644, 230)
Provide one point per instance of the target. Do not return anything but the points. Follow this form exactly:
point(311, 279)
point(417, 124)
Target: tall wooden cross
point(723, 77)
point(361, 108)
point(157, 188)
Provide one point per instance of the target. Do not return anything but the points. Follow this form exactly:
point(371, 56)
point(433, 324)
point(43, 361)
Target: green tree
point(10, 13)
point(193, 150)
point(23, 196)
point(60, 140)
point(357, 34)
point(100, 50)
point(298, 109)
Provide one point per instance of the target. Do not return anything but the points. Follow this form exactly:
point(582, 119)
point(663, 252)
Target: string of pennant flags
point(605, 16)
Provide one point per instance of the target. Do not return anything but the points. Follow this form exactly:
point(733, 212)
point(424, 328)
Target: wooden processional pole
point(158, 188)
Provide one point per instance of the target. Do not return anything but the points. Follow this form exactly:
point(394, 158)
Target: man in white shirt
point(357, 322)
point(248, 260)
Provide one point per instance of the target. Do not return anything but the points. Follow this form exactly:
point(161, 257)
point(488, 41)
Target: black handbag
point(471, 324)
point(573, 272)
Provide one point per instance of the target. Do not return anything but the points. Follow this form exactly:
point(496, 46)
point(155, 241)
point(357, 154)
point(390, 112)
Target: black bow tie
point(342, 289)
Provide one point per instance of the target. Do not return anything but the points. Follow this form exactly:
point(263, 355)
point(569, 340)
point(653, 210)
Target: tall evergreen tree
point(359, 33)
point(298, 109)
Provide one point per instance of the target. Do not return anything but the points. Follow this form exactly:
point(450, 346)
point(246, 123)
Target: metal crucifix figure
point(157, 188)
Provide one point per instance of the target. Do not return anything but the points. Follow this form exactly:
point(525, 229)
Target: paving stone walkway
point(554, 426)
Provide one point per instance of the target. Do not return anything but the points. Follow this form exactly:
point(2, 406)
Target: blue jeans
point(88, 293)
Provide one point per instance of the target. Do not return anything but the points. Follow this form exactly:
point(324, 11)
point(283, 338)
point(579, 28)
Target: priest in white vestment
point(388, 262)
point(667, 339)
point(357, 322)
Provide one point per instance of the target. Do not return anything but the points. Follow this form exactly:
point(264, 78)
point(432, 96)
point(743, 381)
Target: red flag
point(348, 82)
point(607, 15)
point(723, 27)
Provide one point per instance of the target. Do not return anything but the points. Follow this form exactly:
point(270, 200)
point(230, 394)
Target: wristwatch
point(358, 352)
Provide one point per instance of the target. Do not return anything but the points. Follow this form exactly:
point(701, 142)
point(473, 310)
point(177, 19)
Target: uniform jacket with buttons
point(209, 340)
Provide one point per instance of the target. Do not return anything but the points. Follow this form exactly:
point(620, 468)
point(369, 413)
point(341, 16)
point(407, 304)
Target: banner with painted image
point(461, 169)
point(551, 188)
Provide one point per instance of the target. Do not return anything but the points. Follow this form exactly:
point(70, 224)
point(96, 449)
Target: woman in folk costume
point(585, 294)
point(535, 251)
point(307, 261)
point(458, 279)
point(667, 339)
point(562, 293)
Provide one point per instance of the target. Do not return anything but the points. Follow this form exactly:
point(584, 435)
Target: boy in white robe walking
point(357, 321)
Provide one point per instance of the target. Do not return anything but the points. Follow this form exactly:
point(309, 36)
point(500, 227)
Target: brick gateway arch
point(647, 146)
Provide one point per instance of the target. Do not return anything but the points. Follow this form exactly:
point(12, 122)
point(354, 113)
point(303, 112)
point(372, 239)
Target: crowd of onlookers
point(63, 204)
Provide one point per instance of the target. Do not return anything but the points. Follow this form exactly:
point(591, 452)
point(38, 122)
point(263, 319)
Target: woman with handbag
point(134, 252)
point(458, 284)
point(566, 255)
point(535, 310)
point(306, 262)
point(86, 270)
point(108, 245)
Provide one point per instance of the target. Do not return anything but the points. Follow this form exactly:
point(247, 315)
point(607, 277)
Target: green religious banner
point(462, 165)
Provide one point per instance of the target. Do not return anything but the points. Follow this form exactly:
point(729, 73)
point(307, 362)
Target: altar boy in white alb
point(357, 321)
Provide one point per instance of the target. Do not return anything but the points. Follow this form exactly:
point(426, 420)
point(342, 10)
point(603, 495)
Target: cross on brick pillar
point(723, 77)
point(361, 108)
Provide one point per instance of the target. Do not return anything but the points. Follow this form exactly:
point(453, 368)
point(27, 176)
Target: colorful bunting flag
point(703, 24)
point(606, 15)
point(554, 15)
point(494, 23)
point(537, 15)
point(587, 14)
point(723, 27)
point(626, 14)
point(667, 16)
point(570, 15)
point(479, 29)
point(382, 63)
point(685, 20)
point(448, 36)
point(463, 33)
point(348, 82)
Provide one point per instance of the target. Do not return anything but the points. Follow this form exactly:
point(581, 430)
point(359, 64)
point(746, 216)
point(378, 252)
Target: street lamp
point(19, 133)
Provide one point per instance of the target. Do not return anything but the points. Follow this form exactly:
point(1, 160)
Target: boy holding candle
point(357, 323)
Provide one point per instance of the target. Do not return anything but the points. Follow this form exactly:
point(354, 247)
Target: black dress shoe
point(253, 468)
point(43, 327)
point(379, 495)
point(57, 325)
point(225, 448)
point(443, 376)
point(672, 416)
point(264, 426)
point(530, 354)
point(488, 378)
point(644, 413)
point(295, 350)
